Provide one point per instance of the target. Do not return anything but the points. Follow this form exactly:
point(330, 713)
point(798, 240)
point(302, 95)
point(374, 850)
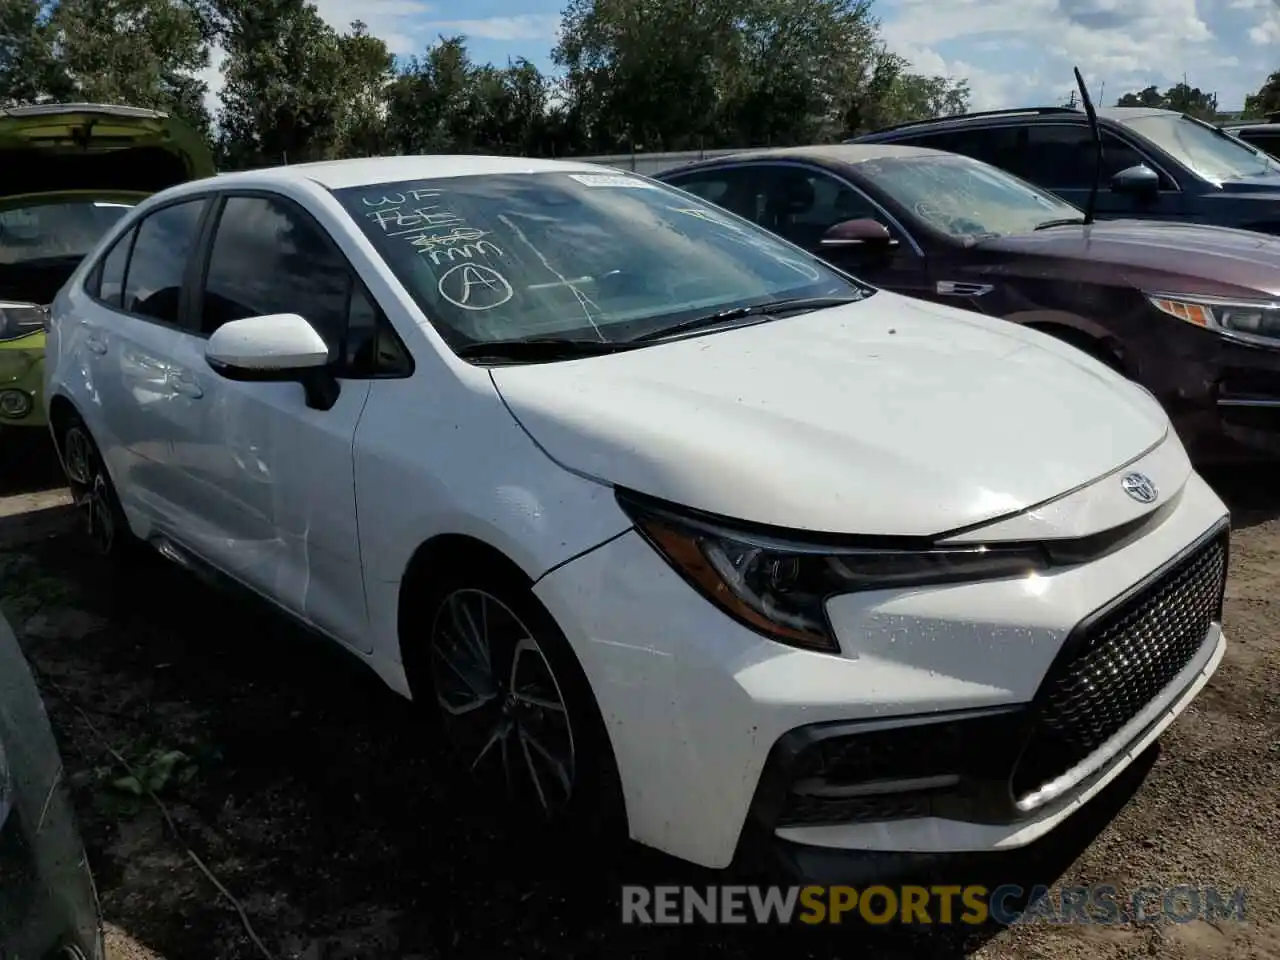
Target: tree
point(295, 90)
point(895, 95)
point(1180, 97)
point(1148, 97)
point(27, 62)
point(139, 52)
point(1266, 101)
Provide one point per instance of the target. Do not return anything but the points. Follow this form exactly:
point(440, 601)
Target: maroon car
point(1191, 312)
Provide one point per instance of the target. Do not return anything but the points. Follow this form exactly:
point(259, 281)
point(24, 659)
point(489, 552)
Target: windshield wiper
point(540, 348)
point(1061, 222)
point(737, 313)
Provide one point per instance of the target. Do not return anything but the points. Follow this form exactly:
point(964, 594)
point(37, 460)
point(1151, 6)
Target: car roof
point(838, 153)
point(1032, 114)
point(338, 174)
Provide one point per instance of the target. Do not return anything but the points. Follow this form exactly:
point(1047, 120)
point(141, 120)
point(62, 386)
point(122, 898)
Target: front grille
point(1120, 663)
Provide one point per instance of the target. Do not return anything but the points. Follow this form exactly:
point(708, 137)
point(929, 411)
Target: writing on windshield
point(598, 255)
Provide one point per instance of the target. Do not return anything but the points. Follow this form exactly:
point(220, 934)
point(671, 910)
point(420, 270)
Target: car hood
point(87, 146)
point(1191, 258)
point(889, 416)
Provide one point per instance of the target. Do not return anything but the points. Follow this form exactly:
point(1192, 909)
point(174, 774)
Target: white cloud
point(1020, 52)
point(522, 27)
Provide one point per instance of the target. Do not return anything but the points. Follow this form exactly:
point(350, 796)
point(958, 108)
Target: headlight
point(20, 319)
point(779, 587)
point(1257, 321)
point(15, 404)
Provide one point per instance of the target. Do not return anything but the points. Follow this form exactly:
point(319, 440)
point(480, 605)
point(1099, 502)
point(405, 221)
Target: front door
point(282, 501)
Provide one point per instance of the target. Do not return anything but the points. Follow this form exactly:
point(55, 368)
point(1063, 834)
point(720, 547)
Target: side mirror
point(1138, 179)
point(857, 233)
point(279, 347)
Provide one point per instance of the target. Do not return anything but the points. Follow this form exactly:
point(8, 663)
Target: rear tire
point(514, 705)
point(93, 491)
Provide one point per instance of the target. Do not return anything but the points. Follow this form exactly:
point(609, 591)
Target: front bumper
point(1223, 395)
point(697, 707)
point(22, 382)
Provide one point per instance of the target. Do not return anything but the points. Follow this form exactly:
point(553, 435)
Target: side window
point(1268, 142)
point(267, 257)
point(372, 348)
point(109, 277)
point(153, 280)
point(731, 189)
point(1060, 156)
point(801, 205)
point(998, 146)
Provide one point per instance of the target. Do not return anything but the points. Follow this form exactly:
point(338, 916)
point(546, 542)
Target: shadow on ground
point(1252, 491)
point(28, 462)
point(314, 796)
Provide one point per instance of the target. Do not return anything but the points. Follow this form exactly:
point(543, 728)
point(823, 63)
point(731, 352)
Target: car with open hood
point(666, 524)
point(69, 171)
point(1191, 312)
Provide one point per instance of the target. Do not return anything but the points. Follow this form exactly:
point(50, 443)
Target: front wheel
point(516, 708)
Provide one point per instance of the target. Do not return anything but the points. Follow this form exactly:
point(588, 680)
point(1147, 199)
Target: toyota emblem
point(1140, 487)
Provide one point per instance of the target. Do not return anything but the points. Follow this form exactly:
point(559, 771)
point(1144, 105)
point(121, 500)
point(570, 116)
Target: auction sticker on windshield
point(611, 180)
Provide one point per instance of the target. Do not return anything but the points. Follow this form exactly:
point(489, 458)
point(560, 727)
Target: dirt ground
point(302, 787)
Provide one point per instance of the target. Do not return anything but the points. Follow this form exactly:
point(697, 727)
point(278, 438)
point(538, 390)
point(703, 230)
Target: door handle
point(95, 344)
point(184, 384)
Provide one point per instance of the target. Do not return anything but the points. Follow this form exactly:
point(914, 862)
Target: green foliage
point(1266, 102)
point(637, 74)
point(1180, 97)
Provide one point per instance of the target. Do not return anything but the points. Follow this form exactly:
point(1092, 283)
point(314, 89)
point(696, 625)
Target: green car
point(68, 171)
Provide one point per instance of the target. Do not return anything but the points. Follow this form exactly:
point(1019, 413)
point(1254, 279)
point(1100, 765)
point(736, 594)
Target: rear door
point(145, 364)
point(282, 504)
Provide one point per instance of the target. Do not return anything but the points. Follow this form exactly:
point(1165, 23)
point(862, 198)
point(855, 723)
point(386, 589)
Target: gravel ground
point(302, 787)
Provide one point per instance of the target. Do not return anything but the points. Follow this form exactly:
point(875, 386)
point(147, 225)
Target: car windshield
point(1200, 147)
point(607, 256)
point(55, 230)
point(965, 198)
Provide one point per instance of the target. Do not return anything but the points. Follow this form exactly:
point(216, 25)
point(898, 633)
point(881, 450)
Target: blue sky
point(1013, 52)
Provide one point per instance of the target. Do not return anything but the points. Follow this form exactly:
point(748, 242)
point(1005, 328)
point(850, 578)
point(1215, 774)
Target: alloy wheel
point(77, 457)
point(90, 487)
point(500, 700)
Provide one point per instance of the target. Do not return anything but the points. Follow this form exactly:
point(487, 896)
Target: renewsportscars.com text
point(972, 905)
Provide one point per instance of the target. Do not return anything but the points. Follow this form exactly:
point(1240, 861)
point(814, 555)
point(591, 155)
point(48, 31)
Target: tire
point(521, 723)
point(1087, 344)
point(93, 491)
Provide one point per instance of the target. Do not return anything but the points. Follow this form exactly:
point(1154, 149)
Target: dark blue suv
point(1157, 164)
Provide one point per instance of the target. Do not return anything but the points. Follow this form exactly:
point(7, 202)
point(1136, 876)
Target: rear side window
point(107, 282)
point(153, 280)
point(1065, 157)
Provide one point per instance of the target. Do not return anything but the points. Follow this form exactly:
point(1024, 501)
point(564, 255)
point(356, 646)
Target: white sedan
point(671, 525)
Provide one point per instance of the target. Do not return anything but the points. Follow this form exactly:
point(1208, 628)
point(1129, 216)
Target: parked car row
point(1188, 311)
point(675, 529)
